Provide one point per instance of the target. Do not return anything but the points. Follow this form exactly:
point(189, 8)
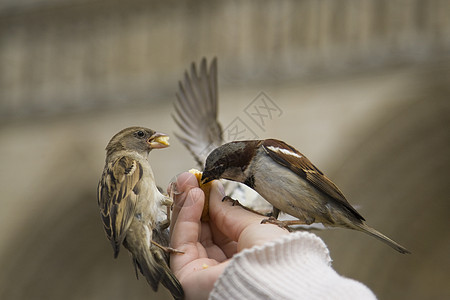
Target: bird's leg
point(233, 201)
point(275, 212)
point(236, 202)
point(283, 224)
point(167, 249)
point(267, 213)
point(167, 202)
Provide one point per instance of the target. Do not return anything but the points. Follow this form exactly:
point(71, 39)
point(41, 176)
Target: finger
point(180, 189)
point(185, 184)
point(259, 234)
point(187, 224)
point(230, 219)
point(186, 230)
point(208, 241)
point(233, 221)
point(227, 246)
point(222, 242)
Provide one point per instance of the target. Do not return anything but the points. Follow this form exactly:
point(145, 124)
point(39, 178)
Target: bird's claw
point(174, 251)
point(167, 249)
point(233, 201)
point(282, 224)
point(272, 220)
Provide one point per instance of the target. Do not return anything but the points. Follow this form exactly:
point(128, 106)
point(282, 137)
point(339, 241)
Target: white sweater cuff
point(296, 266)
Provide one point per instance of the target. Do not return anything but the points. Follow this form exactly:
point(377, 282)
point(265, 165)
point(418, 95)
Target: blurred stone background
point(362, 88)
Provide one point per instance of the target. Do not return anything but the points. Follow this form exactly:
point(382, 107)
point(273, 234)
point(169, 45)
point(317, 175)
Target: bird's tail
point(153, 265)
point(369, 230)
point(168, 279)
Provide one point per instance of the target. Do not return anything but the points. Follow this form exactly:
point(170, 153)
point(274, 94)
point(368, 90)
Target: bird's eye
point(220, 169)
point(140, 133)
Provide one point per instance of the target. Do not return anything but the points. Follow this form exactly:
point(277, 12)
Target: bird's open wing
point(118, 193)
point(196, 111)
point(291, 158)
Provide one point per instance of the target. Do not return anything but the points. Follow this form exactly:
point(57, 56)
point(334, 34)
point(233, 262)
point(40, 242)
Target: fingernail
point(172, 189)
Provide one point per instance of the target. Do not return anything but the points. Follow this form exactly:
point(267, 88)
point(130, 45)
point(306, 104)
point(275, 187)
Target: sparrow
point(290, 182)
point(196, 110)
point(133, 211)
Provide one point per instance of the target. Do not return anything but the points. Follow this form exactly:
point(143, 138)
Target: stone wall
point(83, 55)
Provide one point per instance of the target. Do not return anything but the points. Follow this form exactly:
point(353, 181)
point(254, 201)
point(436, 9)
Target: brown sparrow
point(133, 211)
point(290, 182)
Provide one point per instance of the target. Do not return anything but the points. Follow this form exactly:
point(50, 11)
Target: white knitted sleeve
point(296, 266)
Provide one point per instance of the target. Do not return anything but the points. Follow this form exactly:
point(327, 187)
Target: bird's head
point(139, 139)
point(229, 161)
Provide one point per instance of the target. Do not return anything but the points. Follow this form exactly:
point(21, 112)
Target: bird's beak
point(158, 140)
point(206, 177)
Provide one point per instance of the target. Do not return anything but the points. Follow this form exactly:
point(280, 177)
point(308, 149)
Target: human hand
point(208, 246)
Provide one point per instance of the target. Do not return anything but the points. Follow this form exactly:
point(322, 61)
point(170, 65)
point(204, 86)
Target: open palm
point(208, 246)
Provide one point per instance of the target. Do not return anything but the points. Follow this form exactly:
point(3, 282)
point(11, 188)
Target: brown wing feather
point(302, 166)
point(196, 111)
point(118, 192)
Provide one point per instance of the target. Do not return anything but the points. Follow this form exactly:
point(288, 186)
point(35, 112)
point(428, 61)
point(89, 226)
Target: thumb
point(237, 223)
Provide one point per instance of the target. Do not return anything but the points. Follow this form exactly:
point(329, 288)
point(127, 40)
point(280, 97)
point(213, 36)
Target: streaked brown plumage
point(132, 209)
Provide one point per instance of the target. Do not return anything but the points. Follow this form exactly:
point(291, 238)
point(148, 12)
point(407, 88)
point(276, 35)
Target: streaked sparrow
point(133, 211)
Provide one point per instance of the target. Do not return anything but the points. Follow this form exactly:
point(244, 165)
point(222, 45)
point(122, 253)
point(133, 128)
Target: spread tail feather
point(152, 264)
point(378, 235)
point(168, 279)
